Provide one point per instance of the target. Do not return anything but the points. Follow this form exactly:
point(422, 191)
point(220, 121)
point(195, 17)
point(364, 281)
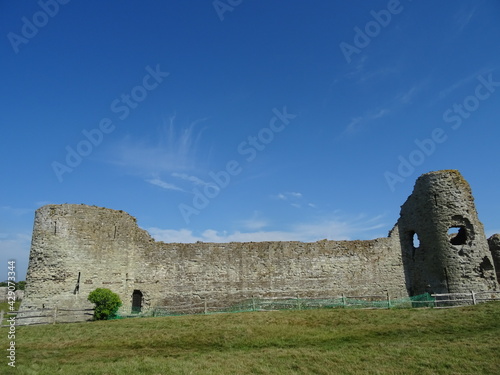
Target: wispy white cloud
point(174, 154)
point(193, 179)
point(358, 123)
point(373, 219)
point(362, 121)
point(210, 235)
point(295, 199)
point(356, 69)
point(354, 126)
point(409, 94)
point(366, 70)
point(463, 16)
point(340, 228)
point(163, 184)
point(174, 236)
point(461, 82)
point(336, 228)
point(289, 195)
point(175, 150)
point(380, 113)
point(256, 222)
point(361, 72)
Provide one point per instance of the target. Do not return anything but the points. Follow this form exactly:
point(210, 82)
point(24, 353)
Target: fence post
point(298, 303)
point(1, 317)
point(205, 306)
point(343, 300)
point(473, 297)
point(388, 300)
point(55, 314)
point(253, 303)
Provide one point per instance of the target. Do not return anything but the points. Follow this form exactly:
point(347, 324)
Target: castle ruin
point(78, 248)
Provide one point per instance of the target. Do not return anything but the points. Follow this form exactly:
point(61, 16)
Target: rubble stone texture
point(453, 255)
point(494, 242)
point(78, 248)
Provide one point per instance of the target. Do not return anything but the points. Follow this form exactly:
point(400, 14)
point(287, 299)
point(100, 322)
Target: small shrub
point(106, 302)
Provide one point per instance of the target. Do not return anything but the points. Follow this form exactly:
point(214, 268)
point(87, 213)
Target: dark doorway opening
point(136, 301)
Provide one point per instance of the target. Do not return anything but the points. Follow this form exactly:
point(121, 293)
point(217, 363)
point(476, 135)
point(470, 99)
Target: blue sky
point(244, 120)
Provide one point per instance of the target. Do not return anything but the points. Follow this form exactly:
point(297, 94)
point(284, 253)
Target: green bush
point(106, 302)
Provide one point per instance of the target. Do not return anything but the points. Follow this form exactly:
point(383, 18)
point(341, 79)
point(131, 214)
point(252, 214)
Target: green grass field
point(326, 341)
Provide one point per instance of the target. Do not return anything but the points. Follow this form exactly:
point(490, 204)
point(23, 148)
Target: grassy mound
point(327, 341)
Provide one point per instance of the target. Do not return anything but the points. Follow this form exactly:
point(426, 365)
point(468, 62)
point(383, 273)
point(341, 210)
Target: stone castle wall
point(78, 248)
point(4, 294)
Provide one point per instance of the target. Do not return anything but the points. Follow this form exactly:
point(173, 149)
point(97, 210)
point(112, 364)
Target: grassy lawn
point(327, 341)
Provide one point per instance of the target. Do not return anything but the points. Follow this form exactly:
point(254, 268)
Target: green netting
point(269, 304)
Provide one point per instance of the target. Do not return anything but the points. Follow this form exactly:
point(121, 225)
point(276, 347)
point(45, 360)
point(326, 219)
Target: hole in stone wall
point(486, 265)
point(136, 301)
point(416, 241)
point(457, 235)
point(486, 268)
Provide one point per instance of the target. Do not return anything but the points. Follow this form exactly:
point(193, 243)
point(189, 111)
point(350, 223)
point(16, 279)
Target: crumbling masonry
point(77, 248)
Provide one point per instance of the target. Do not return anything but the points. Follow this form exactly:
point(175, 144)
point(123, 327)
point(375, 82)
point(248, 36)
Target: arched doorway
point(136, 301)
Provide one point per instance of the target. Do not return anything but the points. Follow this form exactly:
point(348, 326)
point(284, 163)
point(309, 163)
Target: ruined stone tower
point(78, 248)
point(494, 242)
point(443, 244)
